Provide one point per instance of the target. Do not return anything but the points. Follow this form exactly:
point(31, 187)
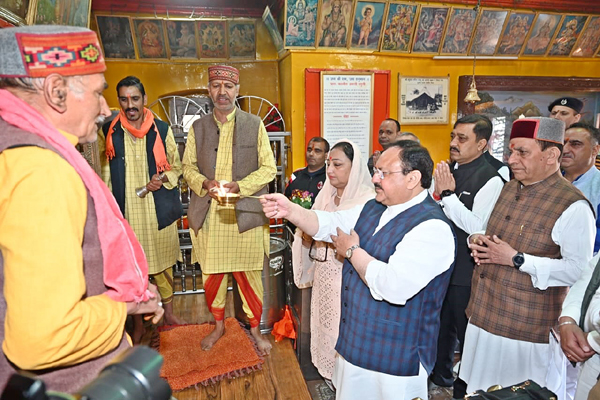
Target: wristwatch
point(518, 260)
point(446, 192)
point(351, 250)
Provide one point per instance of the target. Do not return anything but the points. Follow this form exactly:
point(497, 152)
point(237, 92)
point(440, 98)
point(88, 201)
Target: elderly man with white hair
point(70, 266)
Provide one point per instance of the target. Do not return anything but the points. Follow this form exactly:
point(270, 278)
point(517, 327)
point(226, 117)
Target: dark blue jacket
point(380, 336)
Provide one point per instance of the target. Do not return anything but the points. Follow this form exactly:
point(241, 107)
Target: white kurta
point(490, 359)
point(395, 282)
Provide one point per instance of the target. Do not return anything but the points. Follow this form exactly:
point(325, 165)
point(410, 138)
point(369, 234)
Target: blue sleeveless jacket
point(380, 336)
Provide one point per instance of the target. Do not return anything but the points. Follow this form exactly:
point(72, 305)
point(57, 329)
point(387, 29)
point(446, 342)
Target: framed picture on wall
point(430, 29)
point(541, 34)
point(300, 23)
point(271, 25)
point(335, 21)
point(368, 20)
point(567, 36)
point(589, 40)
point(115, 36)
point(181, 37)
point(242, 39)
point(458, 33)
point(514, 33)
point(61, 12)
point(213, 38)
point(423, 100)
point(15, 12)
point(150, 38)
point(487, 33)
point(399, 27)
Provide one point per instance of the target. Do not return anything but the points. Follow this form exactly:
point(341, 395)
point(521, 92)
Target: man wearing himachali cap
point(70, 265)
point(538, 240)
point(232, 146)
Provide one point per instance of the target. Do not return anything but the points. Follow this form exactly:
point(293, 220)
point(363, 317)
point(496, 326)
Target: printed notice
point(347, 109)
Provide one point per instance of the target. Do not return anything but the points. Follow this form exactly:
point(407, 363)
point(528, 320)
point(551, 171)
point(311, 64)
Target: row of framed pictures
point(406, 27)
point(128, 38)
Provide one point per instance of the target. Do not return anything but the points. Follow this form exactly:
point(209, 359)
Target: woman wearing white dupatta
point(348, 184)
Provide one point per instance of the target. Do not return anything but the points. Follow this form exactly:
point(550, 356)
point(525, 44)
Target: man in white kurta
point(508, 340)
point(397, 281)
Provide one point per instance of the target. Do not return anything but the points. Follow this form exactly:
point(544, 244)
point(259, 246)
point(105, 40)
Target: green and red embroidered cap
point(224, 72)
point(40, 50)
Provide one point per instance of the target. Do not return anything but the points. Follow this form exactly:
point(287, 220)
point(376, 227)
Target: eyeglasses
point(382, 174)
point(312, 253)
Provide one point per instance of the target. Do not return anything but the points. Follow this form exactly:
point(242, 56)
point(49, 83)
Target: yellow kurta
point(219, 247)
point(43, 209)
point(161, 246)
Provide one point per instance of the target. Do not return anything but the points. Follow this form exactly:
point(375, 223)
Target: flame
point(221, 191)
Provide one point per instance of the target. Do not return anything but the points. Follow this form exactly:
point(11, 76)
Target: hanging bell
point(472, 96)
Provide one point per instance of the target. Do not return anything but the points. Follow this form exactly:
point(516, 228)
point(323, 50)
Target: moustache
point(100, 120)
point(377, 186)
point(455, 149)
point(132, 109)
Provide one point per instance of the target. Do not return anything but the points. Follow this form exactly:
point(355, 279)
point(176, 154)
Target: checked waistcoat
point(378, 335)
point(503, 300)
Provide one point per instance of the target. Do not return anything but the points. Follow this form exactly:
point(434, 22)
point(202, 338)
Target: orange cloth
point(186, 364)
point(284, 327)
point(159, 149)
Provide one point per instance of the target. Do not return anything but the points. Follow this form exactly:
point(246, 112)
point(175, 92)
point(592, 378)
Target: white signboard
point(347, 108)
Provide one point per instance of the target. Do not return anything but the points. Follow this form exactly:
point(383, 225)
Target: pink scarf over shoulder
point(125, 265)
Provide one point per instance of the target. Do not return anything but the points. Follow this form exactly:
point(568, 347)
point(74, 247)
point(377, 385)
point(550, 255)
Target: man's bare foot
point(264, 346)
point(170, 318)
point(209, 341)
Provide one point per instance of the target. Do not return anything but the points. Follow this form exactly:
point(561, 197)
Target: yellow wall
point(257, 78)
point(435, 137)
point(281, 80)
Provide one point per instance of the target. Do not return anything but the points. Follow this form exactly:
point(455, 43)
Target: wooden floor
point(280, 377)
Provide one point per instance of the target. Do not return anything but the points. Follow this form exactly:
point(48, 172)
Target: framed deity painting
point(60, 12)
point(430, 29)
point(368, 20)
point(487, 33)
point(242, 39)
point(458, 33)
point(115, 36)
point(150, 38)
point(300, 23)
point(399, 27)
point(271, 25)
point(541, 34)
point(15, 12)
point(335, 21)
point(589, 40)
point(514, 33)
point(181, 38)
point(567, 36)
point(213, 38)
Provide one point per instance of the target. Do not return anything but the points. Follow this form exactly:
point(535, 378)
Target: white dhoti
point(489, 360)
point(352, 382)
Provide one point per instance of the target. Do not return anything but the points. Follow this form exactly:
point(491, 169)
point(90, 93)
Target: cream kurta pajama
point(160, 246)
point(219, 247)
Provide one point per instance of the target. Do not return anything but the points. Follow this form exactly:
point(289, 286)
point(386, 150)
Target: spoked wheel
point(262, 108)
point(179, 112)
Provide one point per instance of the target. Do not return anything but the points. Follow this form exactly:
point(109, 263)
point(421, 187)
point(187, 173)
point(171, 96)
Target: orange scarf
point(148, 123)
